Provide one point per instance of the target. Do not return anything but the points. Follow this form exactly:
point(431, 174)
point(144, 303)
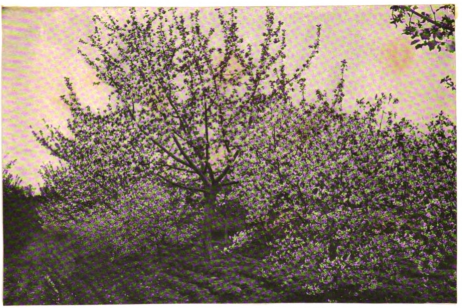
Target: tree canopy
point(178, 115)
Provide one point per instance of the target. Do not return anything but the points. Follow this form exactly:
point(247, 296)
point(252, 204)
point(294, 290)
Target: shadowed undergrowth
point(58, 274)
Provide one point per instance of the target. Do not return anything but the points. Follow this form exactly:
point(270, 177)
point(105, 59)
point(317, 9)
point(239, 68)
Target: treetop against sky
point(40, 49)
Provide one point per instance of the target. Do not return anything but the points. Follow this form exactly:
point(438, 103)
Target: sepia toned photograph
point(266, 154)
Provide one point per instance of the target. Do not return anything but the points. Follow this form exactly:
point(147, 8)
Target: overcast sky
point(40, 49)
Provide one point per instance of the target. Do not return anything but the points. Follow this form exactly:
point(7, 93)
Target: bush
point(143, 216)
point(20, 218)
point(352, 202)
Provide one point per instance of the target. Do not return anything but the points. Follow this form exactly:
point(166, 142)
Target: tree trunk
point(226, 230)
point(209, 204)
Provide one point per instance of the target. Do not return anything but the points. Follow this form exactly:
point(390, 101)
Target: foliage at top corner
point(433, 28)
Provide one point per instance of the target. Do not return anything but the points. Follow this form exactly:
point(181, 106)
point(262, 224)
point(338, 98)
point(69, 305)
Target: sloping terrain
point(178, 276)
point(56, 272)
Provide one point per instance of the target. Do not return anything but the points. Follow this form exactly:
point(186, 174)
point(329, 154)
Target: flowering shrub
point(350, 201)
point(144, 215)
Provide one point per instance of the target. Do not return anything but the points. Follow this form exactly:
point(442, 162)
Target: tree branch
point(180, 185)
point(166, 151)
point(426, 18)
point(228, 168)
point(191, 164)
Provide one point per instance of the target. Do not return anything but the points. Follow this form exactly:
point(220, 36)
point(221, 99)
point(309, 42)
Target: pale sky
point(40, 49)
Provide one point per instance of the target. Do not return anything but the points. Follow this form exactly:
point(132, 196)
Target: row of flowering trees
point(340, 199)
